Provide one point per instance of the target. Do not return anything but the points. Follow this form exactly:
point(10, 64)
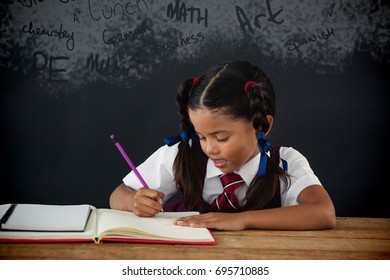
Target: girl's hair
point(222, 88)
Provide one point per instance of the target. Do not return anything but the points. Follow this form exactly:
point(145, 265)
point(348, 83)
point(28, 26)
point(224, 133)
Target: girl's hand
point(147, 202)
point(219, 221)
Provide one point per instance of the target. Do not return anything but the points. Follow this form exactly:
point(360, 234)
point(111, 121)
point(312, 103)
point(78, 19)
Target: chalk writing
point(75, 18)
point(295, 44)
point(107, 67)
point(330, 13)
point(181, 42)
point(118, 9)
point(40, 60)
point(188, 59)
point(246, 23)
point(180, 13)
point(29, 3)
point(318, 33)
point(129, 35)
point(60, 33)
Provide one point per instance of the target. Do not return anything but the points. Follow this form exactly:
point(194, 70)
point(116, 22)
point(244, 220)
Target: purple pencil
point(132, 166)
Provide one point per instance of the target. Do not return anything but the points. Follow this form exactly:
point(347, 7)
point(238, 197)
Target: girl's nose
point(211, 148)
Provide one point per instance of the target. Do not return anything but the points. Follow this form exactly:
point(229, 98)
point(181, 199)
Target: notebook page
point(3, 209)
point(159, 226)
point(41, 217)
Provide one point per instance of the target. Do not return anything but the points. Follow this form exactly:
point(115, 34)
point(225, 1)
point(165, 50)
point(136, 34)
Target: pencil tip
point(112, 136)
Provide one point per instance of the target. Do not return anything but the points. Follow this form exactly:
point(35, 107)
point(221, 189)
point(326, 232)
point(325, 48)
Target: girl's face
point(228, 142)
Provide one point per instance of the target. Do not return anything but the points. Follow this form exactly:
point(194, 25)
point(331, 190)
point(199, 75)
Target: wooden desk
point(353, 238)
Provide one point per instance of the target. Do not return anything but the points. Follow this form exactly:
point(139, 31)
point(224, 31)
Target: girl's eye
point(223, 139)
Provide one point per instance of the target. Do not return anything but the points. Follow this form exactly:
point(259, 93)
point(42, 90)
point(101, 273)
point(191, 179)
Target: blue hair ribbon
point(184, 136)
point(264, 146)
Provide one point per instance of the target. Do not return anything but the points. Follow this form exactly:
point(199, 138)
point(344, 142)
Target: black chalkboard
point(73, 72)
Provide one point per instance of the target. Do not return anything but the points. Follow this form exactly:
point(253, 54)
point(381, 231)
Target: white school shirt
point(157, 171)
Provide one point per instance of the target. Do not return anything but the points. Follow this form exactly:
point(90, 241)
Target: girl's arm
point(314, 211)
point(144, 202)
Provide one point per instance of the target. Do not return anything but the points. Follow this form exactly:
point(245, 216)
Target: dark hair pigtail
point(262, 190)
point(185, 169)
point(261, 99)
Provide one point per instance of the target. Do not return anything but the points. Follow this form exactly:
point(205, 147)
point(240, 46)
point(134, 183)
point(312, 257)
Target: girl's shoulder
point(166, 152)
point(288, 152)
point(296, 160)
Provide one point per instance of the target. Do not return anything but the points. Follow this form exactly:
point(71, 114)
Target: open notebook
point(85, 223)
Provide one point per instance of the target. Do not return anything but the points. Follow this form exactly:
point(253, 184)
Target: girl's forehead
point(219, 114)
point(222, 113)
point(203, 118)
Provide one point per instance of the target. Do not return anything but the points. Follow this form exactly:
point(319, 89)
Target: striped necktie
point(227, 200)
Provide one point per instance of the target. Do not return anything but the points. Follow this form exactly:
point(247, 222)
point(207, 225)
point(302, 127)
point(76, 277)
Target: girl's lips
point(219, 163)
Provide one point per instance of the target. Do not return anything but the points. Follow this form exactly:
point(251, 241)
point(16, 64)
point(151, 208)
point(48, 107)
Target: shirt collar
point(248, 171)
